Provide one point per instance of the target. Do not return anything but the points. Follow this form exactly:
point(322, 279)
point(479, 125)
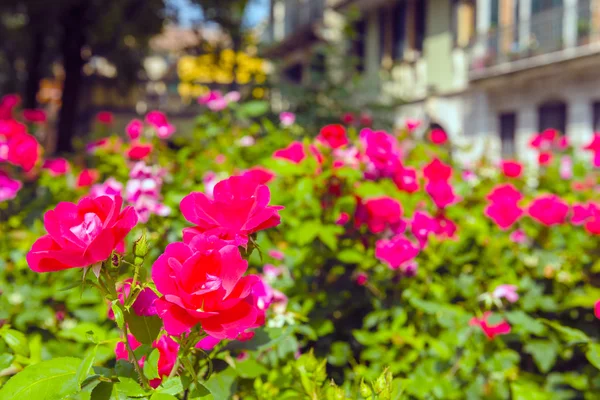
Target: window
point(553, 114)
point(596, 116)
point(463, 22)
point(420, 24)
point(508, 126)
point(360, 31)
point(399, 25)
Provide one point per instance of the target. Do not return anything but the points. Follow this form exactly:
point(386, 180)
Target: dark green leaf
point(145, 329)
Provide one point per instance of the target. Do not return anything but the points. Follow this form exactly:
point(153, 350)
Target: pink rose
point(8, 187)
point(508, 292)
point(421, 226)
point(383, 212)
point(406, 179)
point(437, 171)
point(287, 118)
point(396, 252)
point(442, 193)
point(105, 117)
point(203, 282)
point(276, 254)
point(82, 234)
point(548, 210)
point(503, 208)
point(134, 129)
point(56, 166)
point(239, 209)
point(260, 175)
point(382, 151)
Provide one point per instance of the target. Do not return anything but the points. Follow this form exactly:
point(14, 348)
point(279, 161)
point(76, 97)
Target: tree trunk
point(72, 42)
point(34, 65)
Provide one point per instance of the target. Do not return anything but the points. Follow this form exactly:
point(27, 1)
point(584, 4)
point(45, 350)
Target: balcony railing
point(301, 13)
point(547, 31)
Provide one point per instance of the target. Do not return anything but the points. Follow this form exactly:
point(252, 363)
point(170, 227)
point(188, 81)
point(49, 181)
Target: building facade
point(490, 72)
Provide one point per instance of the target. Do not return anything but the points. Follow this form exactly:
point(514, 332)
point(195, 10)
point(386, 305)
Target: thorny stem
point(138, 369)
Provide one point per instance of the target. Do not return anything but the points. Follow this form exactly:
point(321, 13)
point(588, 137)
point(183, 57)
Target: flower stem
point(137, 367)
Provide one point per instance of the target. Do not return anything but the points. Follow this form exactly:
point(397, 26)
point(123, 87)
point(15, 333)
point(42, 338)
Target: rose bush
point(252, 259)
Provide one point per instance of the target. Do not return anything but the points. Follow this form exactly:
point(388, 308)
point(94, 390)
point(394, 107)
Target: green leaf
point(118, 312)
point(129, 387)
point(350, 256)
point(86, 365)
point(151, 365)
point(52, 379)
point(171, 386)
point(103, 391)
point(339, 353)
point(162, 396)
point(220, 384)
point(544, 353)
point(6, 360)
point(145, 329)
point(571, 335)
point(16, 341)
point(250, 369)
point(593, 354)
point(525, 323)
point(253, 109)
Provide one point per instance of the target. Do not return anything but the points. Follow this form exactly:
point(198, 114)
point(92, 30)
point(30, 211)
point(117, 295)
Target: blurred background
point(488, 72)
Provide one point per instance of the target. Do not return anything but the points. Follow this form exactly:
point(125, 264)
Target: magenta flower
point(582, 212)
point(396, 252)
point(406, 179)
point(412, 124)
point(421, 226)
point(383, 212)
point(239, 209)
point(276, 254)
point(438, 136)
point(203, 282)
point(512, 169)
point(333, 136)
point(549, 210)
point(143, 191)
point(508, 292)
point(134, 129)
point(111, 187)
point(442, 193)
point(361, 279)
point(35, 115)
point(518, 236)
point(8, 187)
point(82, 234)
point(566, 167)
point(491, 331)
point(56, 166)
point(138, 151)
point(342, 219)
point(105, 117)
point(382, 151)
point(445, 227)
point(503, 208)
point(594, 147)
point(287, 118)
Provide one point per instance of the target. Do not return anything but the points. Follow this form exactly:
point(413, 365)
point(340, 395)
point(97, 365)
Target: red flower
point(382, 151)
point(582, 212)
point(512, 169)
point(334, 136)
point(421, 226)
point(82, 234)
point(544, 158)
point(597, 309)
point(35, 116)
point(260, 175)
point(105, 117)
point(548, 210)
point(294, 153)
point(491, 331)
point(437, 171)
point(23, 150)
point(139, 151)
point(348, 118)
point(442, 193)
point(87, 177)
point(366, 119)
point(203, 282)
point(438, 136)
point(239, 209)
